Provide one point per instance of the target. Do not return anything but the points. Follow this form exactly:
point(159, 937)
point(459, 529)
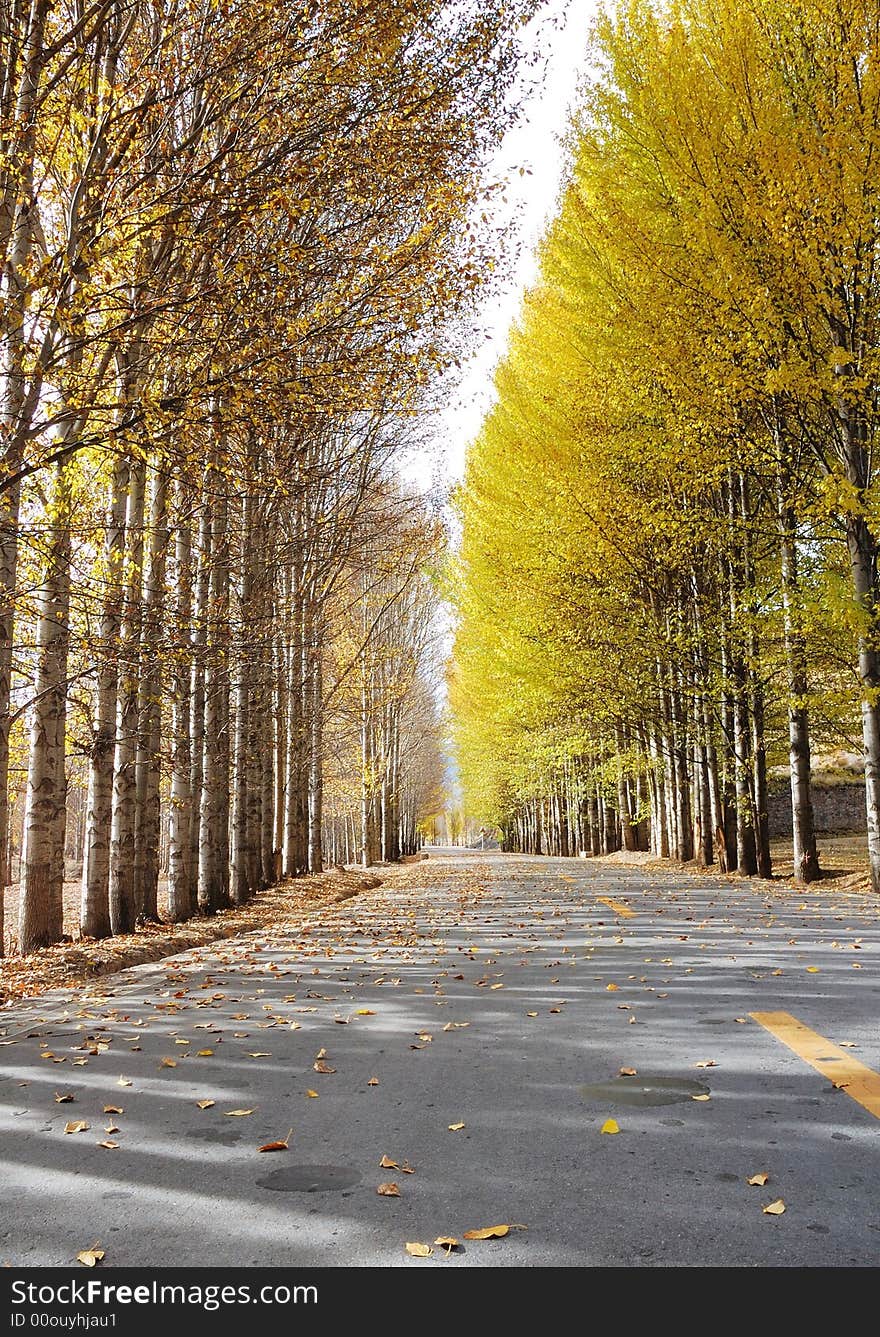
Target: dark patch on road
point(644, 1090)
point(310, 1179)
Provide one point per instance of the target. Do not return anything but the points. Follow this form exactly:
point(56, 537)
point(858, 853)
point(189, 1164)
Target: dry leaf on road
point(760, 1179)
point(281, 1145)
point(487, 1233)
point(90, 1257)
point(610, 1126)
point(77, 1126)
point(455, 1127)
point(774, 1208)
point(388, 1191)
point(627, 1072)
point(419, 1250)
point(237, 1114)
point(205, 1104)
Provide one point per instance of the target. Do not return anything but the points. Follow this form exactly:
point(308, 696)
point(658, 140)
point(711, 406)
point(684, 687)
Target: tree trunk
point(180, 888)
point(123, 904)
point(95, 902)
point(41, 906)
point(149, 746)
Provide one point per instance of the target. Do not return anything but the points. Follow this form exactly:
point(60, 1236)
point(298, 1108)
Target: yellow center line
point(616, 907)
point(859, 1082)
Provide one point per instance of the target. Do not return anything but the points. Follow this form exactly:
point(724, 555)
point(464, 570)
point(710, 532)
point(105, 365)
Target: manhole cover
point(310, 1179)
point(644, 1090)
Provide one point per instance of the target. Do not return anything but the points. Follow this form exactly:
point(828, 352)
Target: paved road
point(499, 993)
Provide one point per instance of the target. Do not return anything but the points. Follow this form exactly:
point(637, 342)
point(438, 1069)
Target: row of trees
point(233, 238)
point(668, 583)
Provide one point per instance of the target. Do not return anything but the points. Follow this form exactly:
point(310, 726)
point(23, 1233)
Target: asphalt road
point(498, 994)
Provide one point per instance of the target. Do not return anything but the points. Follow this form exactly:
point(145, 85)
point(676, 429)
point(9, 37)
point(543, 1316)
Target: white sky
point(560, 36)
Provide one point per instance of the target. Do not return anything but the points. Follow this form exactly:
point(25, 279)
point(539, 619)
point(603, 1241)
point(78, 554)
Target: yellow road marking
point(616, 907)
point(859, 1082)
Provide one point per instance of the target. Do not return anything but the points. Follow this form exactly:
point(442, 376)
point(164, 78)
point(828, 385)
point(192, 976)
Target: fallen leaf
point(848, 1044)
point(811, 970)
point(111, 1128)
point(77, 1126)
point(612, 988)
point(113, 1109)
point(237, 1114)
point(341, 1021)
point(707, 1063)
point(168, 1063)
point(455, 1025)
point(760, 1179)
point(610, 1126)
point(447, 1242)
point(313, 1095)
point(531, 1014)
point(455, 1127)
point(701, 1097)
point(320, 1066)
point(109, 1146)
point(628, 1072)
point(205, 1104)
point(281, 1145)
point(387, 1163)
point(374, 1081)
point(487, 1233)
point(90, 1257)
point(259, 1054)
point(204, 1053)
point(63, 1097)
point(322, 1053)
point(365, 1012)
point(124, 1081)
point(774, 1208)
point(388, 1191)
point(419, 1250)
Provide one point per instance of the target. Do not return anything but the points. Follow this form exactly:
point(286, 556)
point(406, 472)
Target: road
point(471, 1026)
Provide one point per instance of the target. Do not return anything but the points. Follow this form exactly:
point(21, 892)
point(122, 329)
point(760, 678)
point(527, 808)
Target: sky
point(535, 144)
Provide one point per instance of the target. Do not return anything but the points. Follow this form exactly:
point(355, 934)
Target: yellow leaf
point(77, 1126)
point(455, 1127)
point(124, 1081)
point(90, 1257)
point(812, 970)
point(487, 1233)
point(374, 1081)
point(388, 1191)
point(760, 1179)
point(701, 1097)
point(113, 1109)
point(320, 1066)
point(168, 1063)
point(109, 1146)
point(612, 988)
point(281, 1145)
point(205, 1104)
point(447, 1242)
point(707, 1063)
point(237, 1114)
point(419, 1250)
point(610, 1126)
point(387, 1163)
point(63, 1098)
point(774, 1208)
point(313, 1095)
point(531, 1014)
point(204, 1053)
point(628, 1072)
point(365, 1012)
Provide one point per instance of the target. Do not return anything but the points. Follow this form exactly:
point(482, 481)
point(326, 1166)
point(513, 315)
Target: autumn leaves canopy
point(668, 580)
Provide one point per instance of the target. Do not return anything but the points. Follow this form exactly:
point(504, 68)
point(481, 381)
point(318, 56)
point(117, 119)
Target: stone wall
point(836, 807)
